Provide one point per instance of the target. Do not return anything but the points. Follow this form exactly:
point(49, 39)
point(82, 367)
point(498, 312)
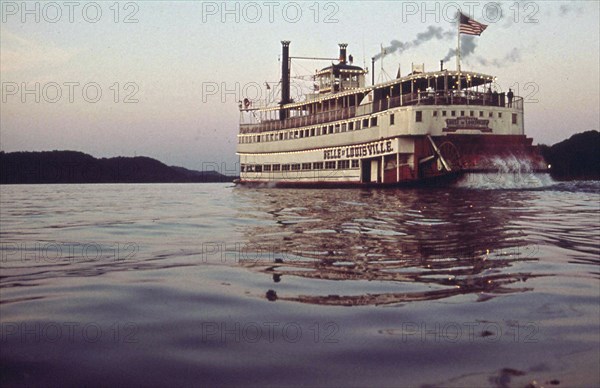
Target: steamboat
point(425, 127)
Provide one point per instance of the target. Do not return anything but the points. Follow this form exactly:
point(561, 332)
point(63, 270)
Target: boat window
point(462, 112)
point(480, 113)
point(337, 128)
point(435, 113)
point(285, 167)
point(471, 113)
point(306, 166)
point(392, 119)
point(443, 113)
point(276, 167)
point(355, 163)
point(350, 126)
point(419, 116)
point(514, 118)
point(365, 123)
point(491, 114)
point(343, 164)
point(267, 167)
point(329, 165)
point(317, 165)
point(358, 125)
point(499, 115)
point(373, 121)
point(306, 133)
point(312, 131)
point(295, 166)
point(331, 129)
point(344, 127)
point(243, 168)
point(453, 113)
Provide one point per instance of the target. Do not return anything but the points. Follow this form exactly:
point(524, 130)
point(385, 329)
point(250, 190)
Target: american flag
point(470, 26)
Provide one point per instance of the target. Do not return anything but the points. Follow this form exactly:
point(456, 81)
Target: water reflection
point(408, 245)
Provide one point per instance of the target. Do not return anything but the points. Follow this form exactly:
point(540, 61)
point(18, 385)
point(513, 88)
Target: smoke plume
point(467, 47)
point(511, 57)
point(422, 37)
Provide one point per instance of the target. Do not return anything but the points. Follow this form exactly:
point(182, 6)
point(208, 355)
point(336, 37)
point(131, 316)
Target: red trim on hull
point(477, 152)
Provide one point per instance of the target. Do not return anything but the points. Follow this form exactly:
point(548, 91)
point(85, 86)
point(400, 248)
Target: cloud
point(20, 53)
point(565, 9)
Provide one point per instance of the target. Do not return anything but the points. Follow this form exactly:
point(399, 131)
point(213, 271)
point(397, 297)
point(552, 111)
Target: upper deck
point(439, 88)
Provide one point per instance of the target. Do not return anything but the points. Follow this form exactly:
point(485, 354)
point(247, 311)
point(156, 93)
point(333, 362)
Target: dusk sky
point(182, 66)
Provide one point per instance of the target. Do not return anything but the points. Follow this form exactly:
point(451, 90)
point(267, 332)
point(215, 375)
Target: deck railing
point(468, 98)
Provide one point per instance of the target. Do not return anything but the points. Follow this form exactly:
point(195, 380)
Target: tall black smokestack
point(343, 52)
point(373, 70)
point(442, 65)
point(285, 76)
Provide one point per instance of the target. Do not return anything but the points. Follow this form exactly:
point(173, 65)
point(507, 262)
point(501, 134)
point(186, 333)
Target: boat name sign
point(359, 151)
point(453, 125)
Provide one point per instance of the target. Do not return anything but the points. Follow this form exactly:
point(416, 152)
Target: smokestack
point(373, 70)
point(441, 65)
point(343, 52)
point(285, 76)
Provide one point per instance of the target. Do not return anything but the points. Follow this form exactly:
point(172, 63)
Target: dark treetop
point(578, 157)
point(77, 167)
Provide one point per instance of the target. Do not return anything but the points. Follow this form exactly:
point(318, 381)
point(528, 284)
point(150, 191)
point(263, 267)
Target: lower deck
point(396, 160)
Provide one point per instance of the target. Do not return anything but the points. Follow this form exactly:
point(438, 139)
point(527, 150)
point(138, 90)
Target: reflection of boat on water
point(408, 246)
point(422, 127)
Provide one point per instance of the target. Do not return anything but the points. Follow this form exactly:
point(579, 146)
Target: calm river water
point(211, 284)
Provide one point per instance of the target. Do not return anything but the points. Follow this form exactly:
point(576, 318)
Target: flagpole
point(458, 50)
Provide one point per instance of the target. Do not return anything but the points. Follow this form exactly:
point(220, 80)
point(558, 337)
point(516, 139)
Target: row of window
point(351, 126)
point(309, 132)
point(329, 165)
point(435, 113)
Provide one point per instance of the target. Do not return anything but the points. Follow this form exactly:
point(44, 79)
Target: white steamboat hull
point(392, 148)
